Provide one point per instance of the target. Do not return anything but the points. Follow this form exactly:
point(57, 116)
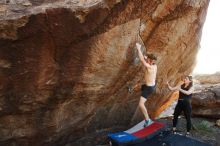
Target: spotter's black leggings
point(185, 107)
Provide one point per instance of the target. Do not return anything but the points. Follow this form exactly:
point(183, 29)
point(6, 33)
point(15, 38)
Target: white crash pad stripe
point(136, 128)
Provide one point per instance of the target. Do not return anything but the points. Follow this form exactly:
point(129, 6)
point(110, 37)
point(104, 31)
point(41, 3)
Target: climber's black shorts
point(146, 90)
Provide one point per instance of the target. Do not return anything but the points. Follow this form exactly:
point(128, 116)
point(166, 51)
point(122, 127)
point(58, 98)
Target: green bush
point(203, 126)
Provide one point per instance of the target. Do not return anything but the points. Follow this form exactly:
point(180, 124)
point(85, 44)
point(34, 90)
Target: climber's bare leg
point(143, 108)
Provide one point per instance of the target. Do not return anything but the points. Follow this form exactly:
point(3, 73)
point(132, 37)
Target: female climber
point(183, 105)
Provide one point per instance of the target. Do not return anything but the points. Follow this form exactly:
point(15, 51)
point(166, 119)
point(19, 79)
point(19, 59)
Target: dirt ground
point(203, 129)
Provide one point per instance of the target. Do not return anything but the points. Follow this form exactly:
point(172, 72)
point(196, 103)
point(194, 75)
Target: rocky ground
point(203, 129)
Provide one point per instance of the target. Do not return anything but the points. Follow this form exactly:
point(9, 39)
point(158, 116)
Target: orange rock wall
point(65, 67)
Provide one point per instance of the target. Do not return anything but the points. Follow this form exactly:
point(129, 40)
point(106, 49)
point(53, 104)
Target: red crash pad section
point(149, 130)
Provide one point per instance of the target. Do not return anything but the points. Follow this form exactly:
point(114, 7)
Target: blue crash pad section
point(122, 137)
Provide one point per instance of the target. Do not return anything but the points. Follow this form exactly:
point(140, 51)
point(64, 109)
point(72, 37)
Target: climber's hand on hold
point(138, 46)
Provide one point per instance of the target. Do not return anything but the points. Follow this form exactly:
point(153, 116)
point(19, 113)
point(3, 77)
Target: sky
point(208, 58)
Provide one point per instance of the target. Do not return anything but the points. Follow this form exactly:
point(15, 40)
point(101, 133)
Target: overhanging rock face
point(65, 67)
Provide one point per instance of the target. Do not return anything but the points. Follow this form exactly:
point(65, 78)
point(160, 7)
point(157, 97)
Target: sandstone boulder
point(218, 123)
point(65, 66)
point(208, 79)
point(206, 101)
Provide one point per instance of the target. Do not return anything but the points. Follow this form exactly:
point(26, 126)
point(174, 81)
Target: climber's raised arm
point(141, 56)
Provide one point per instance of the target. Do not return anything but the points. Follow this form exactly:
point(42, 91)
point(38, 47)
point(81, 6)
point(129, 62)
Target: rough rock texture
point(206, 99)
point(65, 66)
point(207, 102)
point(218, 122)
point(208, 79)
